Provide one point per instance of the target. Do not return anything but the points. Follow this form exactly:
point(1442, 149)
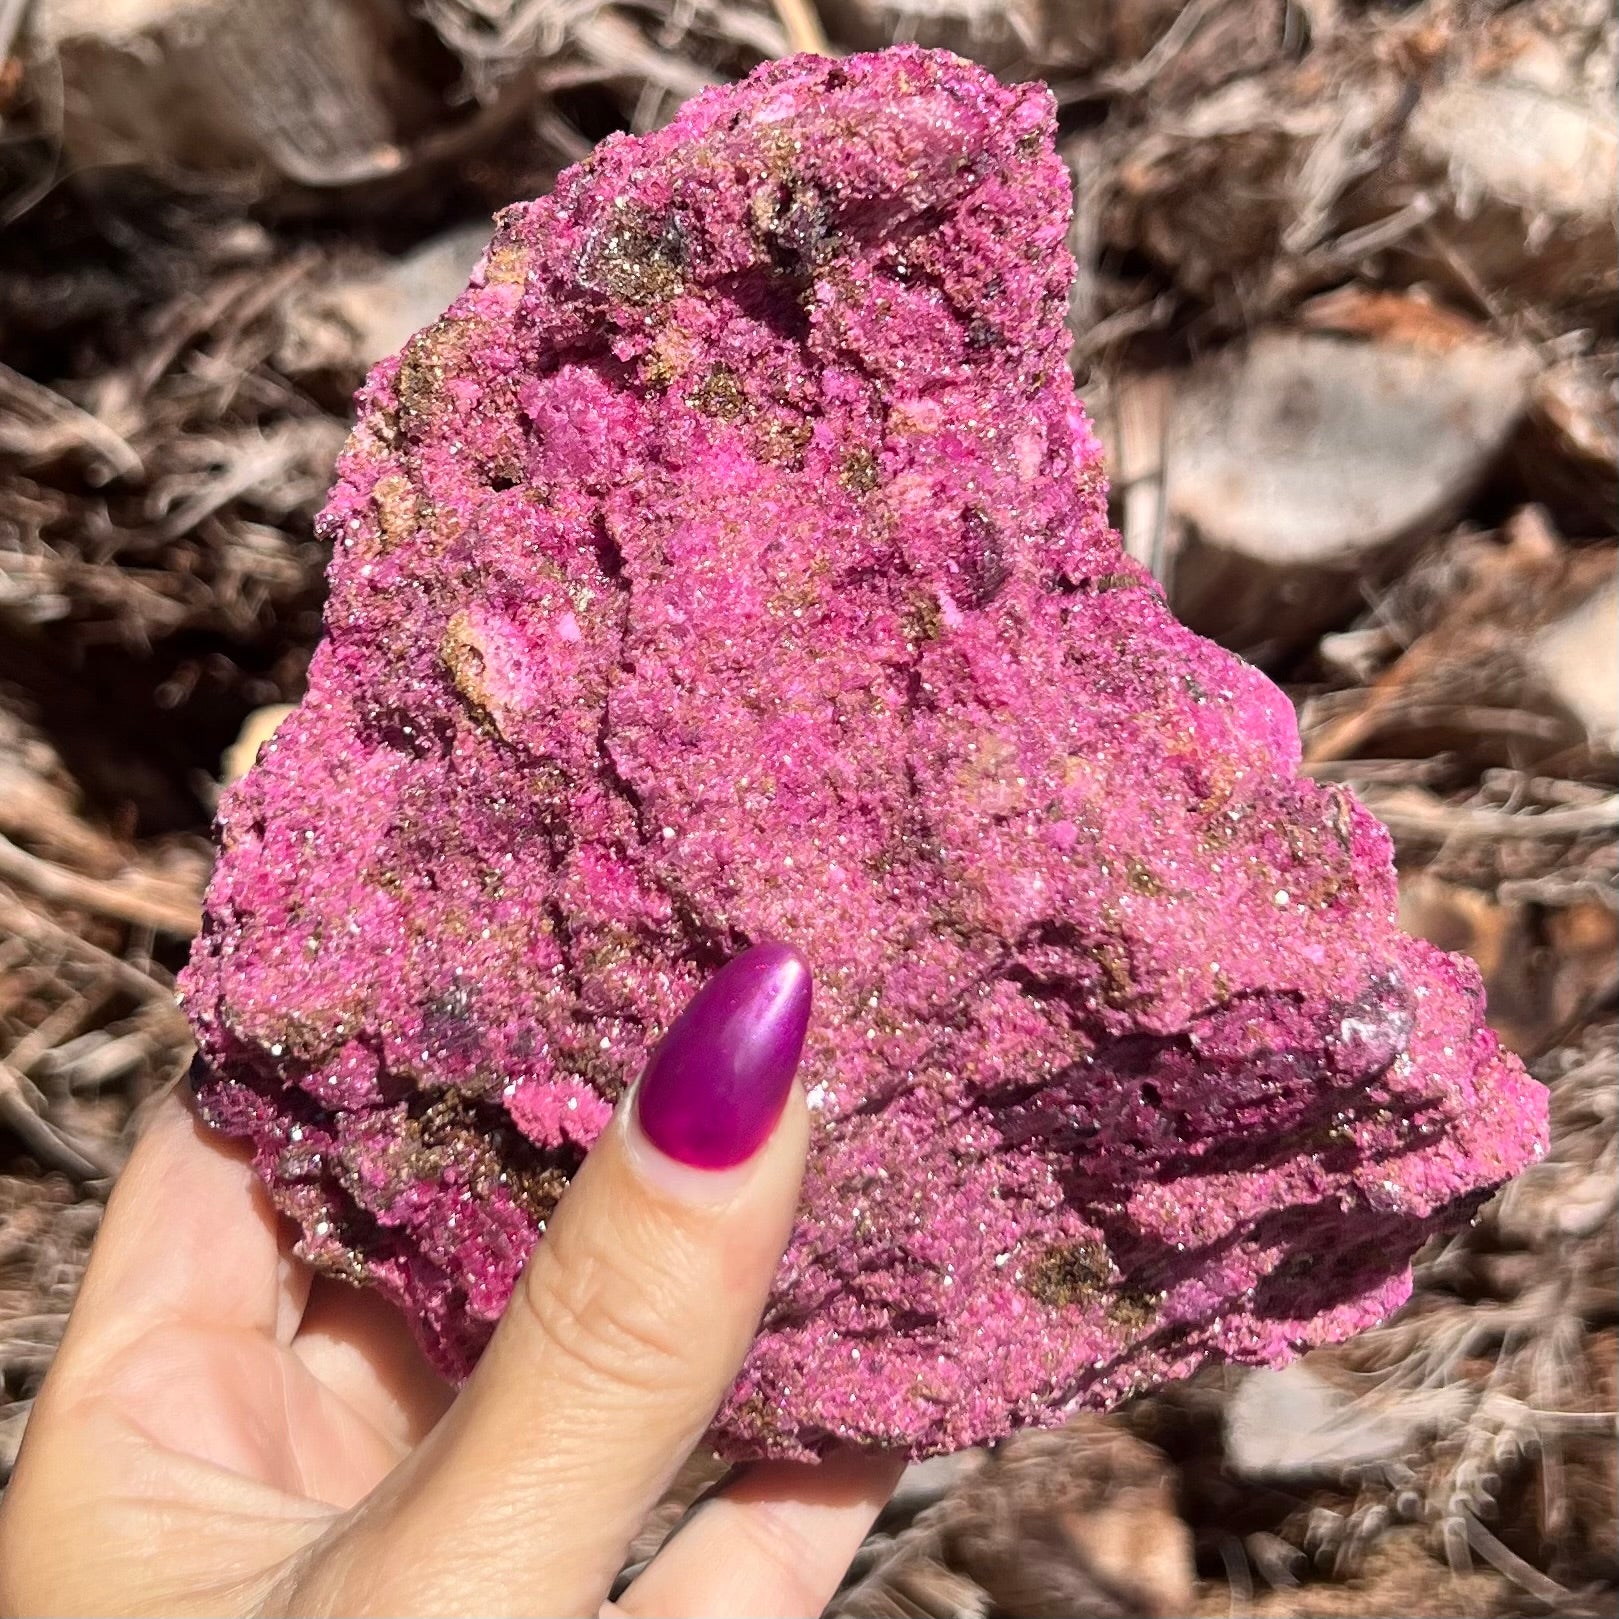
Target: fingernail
point(715, 1087)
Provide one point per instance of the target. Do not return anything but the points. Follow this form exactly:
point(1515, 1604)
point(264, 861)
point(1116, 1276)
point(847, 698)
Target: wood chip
point(1302, 468)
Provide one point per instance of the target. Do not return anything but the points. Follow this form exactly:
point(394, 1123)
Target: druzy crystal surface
point(729, 563)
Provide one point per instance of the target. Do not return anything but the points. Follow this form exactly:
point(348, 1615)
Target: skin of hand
point(224, 1433)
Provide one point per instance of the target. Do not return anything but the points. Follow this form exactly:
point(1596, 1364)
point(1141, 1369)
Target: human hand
point(223, 1433)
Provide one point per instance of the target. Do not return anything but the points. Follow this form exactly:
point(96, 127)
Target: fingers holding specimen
point(629, 1324)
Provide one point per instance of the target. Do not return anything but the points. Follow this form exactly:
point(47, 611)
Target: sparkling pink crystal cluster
point(730, 562)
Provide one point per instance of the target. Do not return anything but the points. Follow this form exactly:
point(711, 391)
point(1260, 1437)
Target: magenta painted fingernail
point(716, 1085)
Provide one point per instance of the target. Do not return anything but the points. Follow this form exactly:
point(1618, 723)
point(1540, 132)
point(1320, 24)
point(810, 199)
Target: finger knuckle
point(604, 1318)
point(789, 1562)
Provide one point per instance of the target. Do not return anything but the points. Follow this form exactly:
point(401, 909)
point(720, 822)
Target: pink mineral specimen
point(730, 562)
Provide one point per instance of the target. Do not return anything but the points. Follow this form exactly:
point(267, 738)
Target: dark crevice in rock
point(770, 297)
point(615, 780)
point(609, 553)
point(707, 946)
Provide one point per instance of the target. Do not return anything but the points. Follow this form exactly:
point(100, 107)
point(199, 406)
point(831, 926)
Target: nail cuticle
point(711, 1189)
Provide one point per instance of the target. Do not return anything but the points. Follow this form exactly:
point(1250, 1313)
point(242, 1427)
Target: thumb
point(622, 1337)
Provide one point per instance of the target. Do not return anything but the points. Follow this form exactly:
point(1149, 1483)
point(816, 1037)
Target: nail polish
point(715, 1087)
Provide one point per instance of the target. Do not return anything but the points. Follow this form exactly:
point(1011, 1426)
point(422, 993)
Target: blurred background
point(1346, 321)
